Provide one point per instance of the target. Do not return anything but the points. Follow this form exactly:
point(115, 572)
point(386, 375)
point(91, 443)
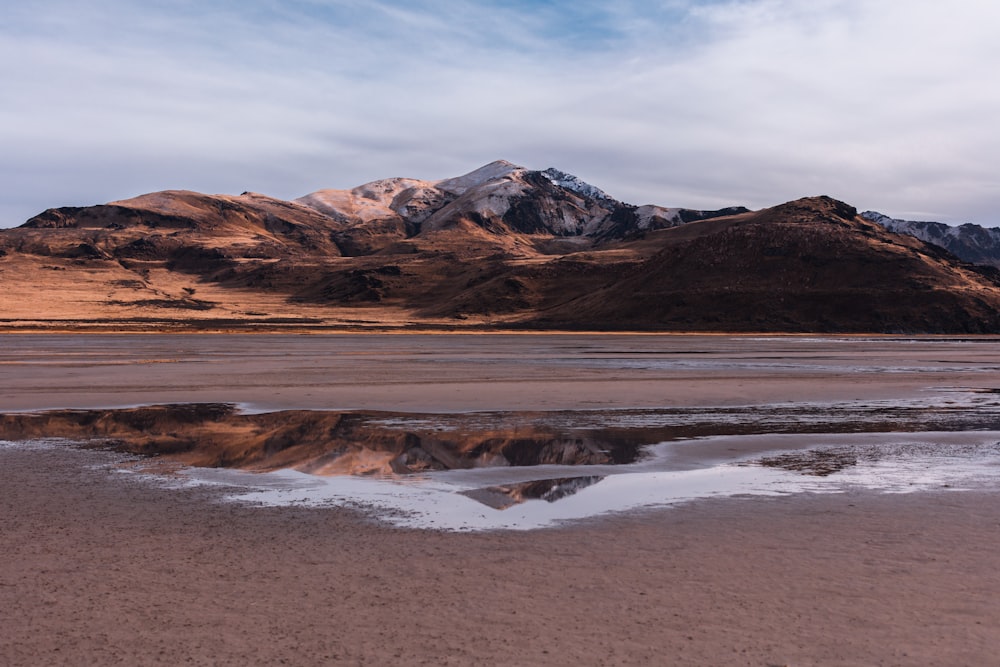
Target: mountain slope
point(809, 265)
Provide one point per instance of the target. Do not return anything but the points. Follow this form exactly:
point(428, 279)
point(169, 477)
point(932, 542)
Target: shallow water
point(526, 498)
point(488, 498)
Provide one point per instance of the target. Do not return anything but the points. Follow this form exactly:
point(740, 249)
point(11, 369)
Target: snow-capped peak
point(879, 218)
point(571, 182)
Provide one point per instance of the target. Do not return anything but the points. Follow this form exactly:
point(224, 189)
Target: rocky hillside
point(502, 246)
point(808, 265)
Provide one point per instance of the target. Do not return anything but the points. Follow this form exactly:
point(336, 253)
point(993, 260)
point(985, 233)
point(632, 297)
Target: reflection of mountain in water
point(323, 443)
point(338, 443)
point(550, 490)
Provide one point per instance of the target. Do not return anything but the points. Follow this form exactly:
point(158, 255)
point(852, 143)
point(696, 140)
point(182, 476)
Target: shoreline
point(481, 372)
point(188, 329)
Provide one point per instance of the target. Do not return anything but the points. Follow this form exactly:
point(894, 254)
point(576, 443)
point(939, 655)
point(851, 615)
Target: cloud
point(887, 105)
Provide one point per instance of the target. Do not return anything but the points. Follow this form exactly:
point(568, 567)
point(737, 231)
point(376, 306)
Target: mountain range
point(500, 247)
point(970, 242)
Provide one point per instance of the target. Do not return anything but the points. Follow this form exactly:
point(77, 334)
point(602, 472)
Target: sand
point(99, 567)
point(456, 372)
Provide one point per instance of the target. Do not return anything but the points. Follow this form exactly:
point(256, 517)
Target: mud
point(818, 462)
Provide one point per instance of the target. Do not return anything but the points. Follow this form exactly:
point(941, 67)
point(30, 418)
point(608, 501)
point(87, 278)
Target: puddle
point(218, 435)
point(532, 498)
point(817, 462)
point(438, 505)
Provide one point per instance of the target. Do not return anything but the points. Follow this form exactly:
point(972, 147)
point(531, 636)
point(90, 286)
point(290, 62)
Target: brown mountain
point(501, 246)
point(808, 265)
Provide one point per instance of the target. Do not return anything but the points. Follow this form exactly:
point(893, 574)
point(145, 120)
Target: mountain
point(972, 243)
point(500, 205)
point(502, 246)
point(500, 198)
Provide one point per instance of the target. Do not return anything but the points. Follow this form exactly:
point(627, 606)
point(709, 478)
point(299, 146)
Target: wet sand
point(454, 372)
point(99, 567)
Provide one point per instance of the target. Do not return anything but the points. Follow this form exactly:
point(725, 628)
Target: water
point(481, 499)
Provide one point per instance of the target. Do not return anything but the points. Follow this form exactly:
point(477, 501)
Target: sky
point(890, 105)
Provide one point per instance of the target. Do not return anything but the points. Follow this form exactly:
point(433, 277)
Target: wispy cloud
point(888, 105)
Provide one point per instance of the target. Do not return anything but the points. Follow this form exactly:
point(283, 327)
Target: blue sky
point(887, 104)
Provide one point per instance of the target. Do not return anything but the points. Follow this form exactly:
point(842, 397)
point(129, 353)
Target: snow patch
point(372, 201)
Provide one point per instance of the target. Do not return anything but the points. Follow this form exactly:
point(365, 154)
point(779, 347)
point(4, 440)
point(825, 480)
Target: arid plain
point(109, 559)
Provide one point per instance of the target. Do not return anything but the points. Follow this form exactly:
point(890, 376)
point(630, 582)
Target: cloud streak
point(887, 105)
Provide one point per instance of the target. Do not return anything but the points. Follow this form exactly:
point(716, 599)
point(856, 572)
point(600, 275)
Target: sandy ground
point(99, 567)
point(449, 373)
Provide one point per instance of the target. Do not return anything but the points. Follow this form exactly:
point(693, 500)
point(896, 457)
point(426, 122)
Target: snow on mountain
point(501, 197)
point(411, 199)
point(481, 201)
point(879, 218)
point(657, 217)
point(494, 171)
point(972, 243)
point(571, 182)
